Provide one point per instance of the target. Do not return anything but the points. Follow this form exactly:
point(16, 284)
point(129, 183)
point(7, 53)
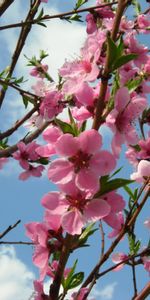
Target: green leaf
point(112, 185)
point(123, 60)
point(40, 15)
point(116, 172)
point(112, 48)
point(76, 280)
point(66, 282)
point(88, 231)
point(75, 17)
point(133, 84)
point(80, 3)
point(137, 6)
point(25, 101)
point(65, 127)
point(42, 24)
point(129, 192)
point(43, 161)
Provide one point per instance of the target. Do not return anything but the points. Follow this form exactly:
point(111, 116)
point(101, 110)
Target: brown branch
point(17, 88)
point(20, 44)
point(16, 243)
point(18, 124)
point(28, 139)
point(124, 229)
point(134, 279)
point(9, 228)
point(55, 286)
point(57, 16)
point(144, 293)
point(4, 4)
point(105, 78)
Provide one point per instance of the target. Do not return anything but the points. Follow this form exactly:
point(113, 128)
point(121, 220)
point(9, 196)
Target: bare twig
point(9, 228)
point(105, 78)
point(20, 44)
point(11, 130)
point(57, 16)
point(134, 279)
point(16, 243)
point(124, 229)
point(4, 4)
point(144, 293)
point(28, 139)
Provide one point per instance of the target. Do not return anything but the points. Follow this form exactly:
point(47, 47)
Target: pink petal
point(60, 171)
point(46, 150)
point(96, 209)
point(73, 222)
point(90, 141)
point(67, 145)
point(122, 98)
point(50, 200)
point(87, 180)
point(103, 163)
point(85, 94)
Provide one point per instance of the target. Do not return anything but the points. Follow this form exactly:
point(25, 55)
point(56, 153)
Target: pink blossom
point(146, 262)
point(25, 153)
point(50, 135)
point(121, 118)
point(143, 22)
point(38, 233)
point(91, 24)
point(117, 204)
point(135, 47)
point(3, 161)
point(117, 258)
point(38, 288)
point(53, 268)
point(81, 160)
point(143, 171)
point(41, 88)
point(39, 71)
point(32, 171)
point(75, 208)
point(119, 219)
point(51, 105)
point(81, 295)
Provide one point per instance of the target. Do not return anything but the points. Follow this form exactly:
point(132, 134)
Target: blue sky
point(21, 200)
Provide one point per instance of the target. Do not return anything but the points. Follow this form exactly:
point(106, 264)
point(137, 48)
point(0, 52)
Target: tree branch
point(144, 293)
point(57, 16)
point(20, 44)
point(105, 78)
point(9, 228)
point(4, 4)
point(28, 139)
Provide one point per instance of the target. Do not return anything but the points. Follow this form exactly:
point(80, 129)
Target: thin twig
point(11, 130)
point(20, 44)
point(144, 293)
point(4, 4)
point(134, 279)
point(124, 229)
point(105, 78)
point(57, 16)
point(28, 139)
point(16, 243)
point(9, 228)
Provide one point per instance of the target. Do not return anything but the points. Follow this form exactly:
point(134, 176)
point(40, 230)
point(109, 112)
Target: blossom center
point(80, 161)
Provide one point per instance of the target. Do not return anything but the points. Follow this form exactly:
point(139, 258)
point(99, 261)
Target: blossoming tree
point(107, 85)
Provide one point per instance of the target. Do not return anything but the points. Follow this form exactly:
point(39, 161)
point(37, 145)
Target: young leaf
point(65, 127)
point(80, 3)
point(112, 185)
point(76, 280)
point(124, 59)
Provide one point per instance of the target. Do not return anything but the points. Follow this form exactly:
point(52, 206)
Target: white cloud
point(105, 293)
point(15, 277)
